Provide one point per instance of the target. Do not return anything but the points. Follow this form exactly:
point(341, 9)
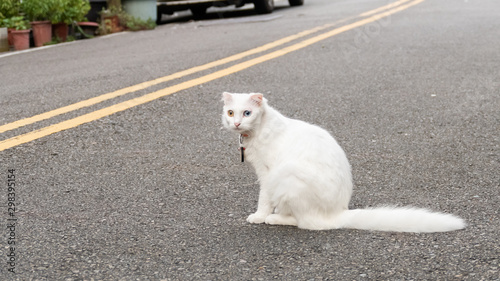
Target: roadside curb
point(12, 53)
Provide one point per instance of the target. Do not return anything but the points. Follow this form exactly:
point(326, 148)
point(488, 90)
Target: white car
point(199, 7)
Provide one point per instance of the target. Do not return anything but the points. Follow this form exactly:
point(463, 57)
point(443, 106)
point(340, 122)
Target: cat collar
point(242, 148)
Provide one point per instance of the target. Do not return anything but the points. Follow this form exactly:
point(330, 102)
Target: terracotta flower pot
point(89, 28)
point(112, 24)
point(20, 39)
point(9, 30)
point(42, 32)
point(60, 30)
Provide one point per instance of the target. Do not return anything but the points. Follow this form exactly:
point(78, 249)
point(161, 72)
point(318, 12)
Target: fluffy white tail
point(399, 220)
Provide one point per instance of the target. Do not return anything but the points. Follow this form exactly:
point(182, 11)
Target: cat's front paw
point(256, 218)
point(278, 219)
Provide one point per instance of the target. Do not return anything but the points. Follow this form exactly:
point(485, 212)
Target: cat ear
point(227, 97)
point(257, 99)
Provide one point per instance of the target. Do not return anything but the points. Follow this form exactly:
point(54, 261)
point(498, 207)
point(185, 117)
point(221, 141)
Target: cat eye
point(230, 113)
point(247, 113)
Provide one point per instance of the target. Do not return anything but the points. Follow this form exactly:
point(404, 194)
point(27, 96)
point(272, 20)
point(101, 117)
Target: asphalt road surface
point(146, 185)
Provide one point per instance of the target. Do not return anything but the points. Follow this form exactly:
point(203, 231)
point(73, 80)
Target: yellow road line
point(386, 7)
point(144, 85)
point(92, 116)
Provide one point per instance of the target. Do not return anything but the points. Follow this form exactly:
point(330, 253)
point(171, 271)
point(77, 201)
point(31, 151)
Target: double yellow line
point(365, 18)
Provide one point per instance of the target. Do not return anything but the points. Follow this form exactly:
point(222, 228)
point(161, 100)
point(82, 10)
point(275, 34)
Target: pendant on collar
point(242, 148)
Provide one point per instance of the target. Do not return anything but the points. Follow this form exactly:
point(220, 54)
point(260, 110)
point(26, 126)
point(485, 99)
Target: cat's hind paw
point(256, 218)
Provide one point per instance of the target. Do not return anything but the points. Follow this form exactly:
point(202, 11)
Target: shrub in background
point(69, 11)
point(9, 9)
point(38, 10)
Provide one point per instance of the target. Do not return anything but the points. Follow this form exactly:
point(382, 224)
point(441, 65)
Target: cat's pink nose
point(237, 124)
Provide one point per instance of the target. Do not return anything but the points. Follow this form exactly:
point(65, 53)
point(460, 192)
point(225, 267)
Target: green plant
point(132, 23)
point(39, 10)
point(17, 22)
point(56, 40)
point(105, 26)
point(114, 4)
point(69, 11)
point(110, 11)
point(80, 30)
point(135, 24)
point(9, 8)
point(128, 21)
point(103, 29)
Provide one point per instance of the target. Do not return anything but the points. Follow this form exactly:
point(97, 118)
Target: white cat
point(305, 177)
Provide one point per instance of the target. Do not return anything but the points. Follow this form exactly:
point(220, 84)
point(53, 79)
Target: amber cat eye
point(230, 113)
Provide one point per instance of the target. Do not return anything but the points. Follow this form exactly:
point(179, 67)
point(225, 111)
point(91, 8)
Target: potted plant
point(110, 22)
point(114, 19)
point(68, 12)
point(8, 9)
point(20, 32)
point(39, 13)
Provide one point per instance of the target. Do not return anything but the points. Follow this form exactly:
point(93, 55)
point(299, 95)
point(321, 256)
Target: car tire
point(198, 11)
point(264, 6)
point(296, 2)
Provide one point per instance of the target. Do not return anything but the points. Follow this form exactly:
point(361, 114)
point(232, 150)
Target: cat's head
point(242, 112)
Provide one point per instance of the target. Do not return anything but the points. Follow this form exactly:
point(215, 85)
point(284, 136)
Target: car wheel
point(296, 2)
point(198, 11)
point(264, 6)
